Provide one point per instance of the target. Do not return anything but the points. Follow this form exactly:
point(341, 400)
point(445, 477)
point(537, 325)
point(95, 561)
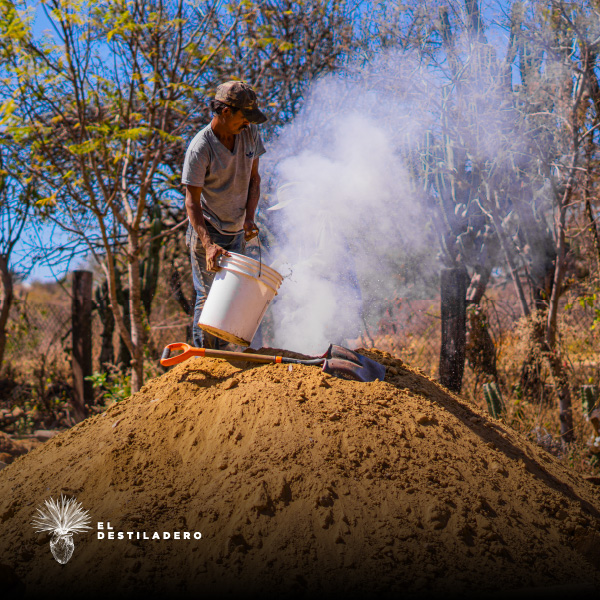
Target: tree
point(557, 45)
point(505, 159)
point(17, 194)
point(101, 108)
point(17, 188)
point(107, 103)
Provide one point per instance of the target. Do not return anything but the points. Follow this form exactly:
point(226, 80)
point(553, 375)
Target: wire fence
point(38, 329)
point(410, 330)
point(43, 331)
point(37, 366)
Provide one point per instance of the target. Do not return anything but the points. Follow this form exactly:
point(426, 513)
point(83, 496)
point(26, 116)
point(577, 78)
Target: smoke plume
point(343, 206)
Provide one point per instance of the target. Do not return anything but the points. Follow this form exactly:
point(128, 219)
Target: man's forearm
point(253, 196)
point(194, 211)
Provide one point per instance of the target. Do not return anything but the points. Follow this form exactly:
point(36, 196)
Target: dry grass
point(417, 341)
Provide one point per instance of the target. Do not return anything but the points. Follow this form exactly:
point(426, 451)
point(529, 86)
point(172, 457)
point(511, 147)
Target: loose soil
point(300, 483)
point(11, 447)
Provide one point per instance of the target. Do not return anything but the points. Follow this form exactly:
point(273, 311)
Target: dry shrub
point(411, 331)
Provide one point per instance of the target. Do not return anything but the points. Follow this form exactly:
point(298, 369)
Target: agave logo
point(62, 519)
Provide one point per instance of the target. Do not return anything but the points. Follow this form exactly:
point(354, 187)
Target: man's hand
point(194, 211)
point(250, 229)
point(212, 256)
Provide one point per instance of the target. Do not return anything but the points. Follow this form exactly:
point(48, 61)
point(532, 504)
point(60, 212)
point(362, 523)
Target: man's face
point(234, 121)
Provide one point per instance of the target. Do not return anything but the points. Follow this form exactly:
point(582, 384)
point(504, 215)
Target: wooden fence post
point(454, 327)
point(82, 341)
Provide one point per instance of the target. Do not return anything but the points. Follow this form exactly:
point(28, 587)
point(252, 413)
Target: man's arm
point(194, 211)
point(253, 198)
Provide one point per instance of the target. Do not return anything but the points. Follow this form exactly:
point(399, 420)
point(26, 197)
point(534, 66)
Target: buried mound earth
point(299, 483)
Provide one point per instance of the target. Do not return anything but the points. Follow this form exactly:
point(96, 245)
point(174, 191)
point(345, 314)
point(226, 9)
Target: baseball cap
point(240, 95)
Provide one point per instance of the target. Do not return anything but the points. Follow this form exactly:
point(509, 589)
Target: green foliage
point(112, 387)
point(587, 300)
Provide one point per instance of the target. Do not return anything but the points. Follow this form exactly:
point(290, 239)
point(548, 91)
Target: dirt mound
point(11, 447)
point(300, 482)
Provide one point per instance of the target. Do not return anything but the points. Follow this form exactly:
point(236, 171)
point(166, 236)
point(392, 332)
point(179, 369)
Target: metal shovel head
point(344, 353)
point(369, 370)
point(374, 369)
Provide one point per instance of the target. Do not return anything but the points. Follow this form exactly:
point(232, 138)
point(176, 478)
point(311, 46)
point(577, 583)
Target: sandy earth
point(300, 483)
point(10, 447)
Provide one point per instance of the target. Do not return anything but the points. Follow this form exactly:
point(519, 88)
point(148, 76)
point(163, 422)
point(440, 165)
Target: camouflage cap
point(240, 95)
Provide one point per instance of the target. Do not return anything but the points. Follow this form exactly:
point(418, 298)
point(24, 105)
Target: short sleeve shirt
point(224, 176)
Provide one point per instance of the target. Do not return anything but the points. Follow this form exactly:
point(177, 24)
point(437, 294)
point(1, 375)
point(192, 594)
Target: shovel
point(337, 361)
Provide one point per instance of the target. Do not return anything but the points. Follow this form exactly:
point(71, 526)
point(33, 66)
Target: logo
point(62, 519)
point(250, 154)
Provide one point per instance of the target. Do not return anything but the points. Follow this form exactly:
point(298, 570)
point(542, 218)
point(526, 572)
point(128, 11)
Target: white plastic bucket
point(238, 299)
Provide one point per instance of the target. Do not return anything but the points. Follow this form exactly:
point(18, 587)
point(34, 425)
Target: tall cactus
point(493, 398)
point(107, 318)
point(150, 267)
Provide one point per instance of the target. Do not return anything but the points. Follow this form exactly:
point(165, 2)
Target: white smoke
point(345, 206)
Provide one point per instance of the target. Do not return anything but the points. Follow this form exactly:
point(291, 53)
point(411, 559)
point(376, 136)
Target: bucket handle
point(255, 233)
point(259, 257)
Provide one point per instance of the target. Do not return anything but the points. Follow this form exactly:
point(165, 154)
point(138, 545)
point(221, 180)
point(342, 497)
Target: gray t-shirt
point(224, 176)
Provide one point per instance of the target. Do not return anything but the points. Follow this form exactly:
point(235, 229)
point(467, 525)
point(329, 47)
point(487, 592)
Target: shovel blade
point(344, 353)
point(372, 368)
point(347, 369)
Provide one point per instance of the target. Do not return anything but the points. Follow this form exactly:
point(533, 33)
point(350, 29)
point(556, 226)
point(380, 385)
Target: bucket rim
point(262, 279)
point(250, 262)
point(247, 259)
point(251, 272)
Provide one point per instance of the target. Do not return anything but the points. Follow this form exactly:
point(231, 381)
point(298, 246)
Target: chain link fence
point(410, 330)
point(37, 330)
point(42, 331)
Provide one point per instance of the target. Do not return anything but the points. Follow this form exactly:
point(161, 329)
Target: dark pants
point(203, 278)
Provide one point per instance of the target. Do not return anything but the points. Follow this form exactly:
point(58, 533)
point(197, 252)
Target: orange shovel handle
point(187, 352)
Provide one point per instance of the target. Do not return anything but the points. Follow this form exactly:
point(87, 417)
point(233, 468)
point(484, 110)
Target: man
point(220, 173)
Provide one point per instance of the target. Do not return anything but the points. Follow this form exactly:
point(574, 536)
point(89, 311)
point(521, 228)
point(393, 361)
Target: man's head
point(238, 96)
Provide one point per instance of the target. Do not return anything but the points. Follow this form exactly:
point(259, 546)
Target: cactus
point(589, 397)
point(493, 398)
point(102, 305)
point(150, 267)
